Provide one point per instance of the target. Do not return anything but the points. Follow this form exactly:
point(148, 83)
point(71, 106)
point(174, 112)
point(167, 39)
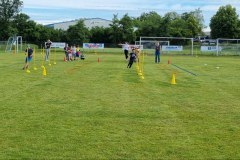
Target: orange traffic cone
point(64, 59)
point(98, 60)
point(173, 79)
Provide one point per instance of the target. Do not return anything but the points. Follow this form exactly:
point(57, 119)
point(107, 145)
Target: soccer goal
point(169, 45)
point(228, 46)
point(14, 43)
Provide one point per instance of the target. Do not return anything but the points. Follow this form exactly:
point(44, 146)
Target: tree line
point(224, 24)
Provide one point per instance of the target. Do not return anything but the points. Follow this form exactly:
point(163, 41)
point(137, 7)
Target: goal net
point(169, 45)
point(228, 46)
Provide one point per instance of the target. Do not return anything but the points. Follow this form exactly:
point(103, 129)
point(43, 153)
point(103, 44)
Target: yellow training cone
point(44, 71)
point(173, 79)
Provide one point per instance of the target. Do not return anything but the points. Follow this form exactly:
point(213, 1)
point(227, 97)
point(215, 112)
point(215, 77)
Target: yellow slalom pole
point(34, 59)
point(54, 60)
point(27, 67)
point(42, 58)
point(142, 63)
point(49, 57)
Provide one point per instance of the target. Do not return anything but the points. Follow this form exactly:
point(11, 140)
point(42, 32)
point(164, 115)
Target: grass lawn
point(91, 110)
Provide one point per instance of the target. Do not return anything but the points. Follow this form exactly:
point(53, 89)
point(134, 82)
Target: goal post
point(14, 43)
point(174, 45)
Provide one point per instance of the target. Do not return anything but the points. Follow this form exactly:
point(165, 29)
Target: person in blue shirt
point(157, 53)
point(29, 54)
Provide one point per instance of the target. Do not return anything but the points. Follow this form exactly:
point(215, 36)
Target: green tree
point(127, 29)
point(8, 8)
point(225, 23)
point(99, 35)
point(194, 24)
point(78, 33)
point(24, 26)
point(114, 31)
point(166, 26)
point(150, 24)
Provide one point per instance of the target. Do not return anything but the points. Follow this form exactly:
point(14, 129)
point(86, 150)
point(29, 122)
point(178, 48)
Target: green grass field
point(91, 110)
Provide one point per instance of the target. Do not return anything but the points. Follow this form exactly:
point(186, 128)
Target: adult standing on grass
point(157, 53)
point(29, 53)
point(47, 47)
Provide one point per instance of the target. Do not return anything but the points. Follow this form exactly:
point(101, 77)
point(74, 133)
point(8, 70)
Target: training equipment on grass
point(169, 61)
point(49, 63)
point(54, 56)
point(184, 70)
point(28, 71)
point(44, 72)
point(34, 59)
point(43, 61)
point(140, 63)
point(173, 81)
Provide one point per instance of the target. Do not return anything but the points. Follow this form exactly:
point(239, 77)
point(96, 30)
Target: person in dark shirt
point(47, 47)
point(132, 58)
point(29, 53)
point(157, 53)
point(66, 48)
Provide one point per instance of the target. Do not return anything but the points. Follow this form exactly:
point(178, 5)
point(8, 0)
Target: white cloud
point(209, 7)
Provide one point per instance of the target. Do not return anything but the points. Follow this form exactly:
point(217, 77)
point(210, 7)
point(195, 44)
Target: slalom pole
point(42, 58)
point(27, 69)
point(14, 52)
point(142, 63)
point(54, 57)
point(34, 59)
point(49, 59)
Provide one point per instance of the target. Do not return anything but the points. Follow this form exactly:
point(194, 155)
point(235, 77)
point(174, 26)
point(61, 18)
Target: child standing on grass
point(132, 58)
point(29, 52)
point(74, 51)
point(78, 54)
point(70, 54)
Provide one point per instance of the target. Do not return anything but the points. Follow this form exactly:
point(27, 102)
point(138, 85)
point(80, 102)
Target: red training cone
point(169, 62)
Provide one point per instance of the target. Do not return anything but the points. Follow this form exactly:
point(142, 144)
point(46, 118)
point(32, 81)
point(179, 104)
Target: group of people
point(29, 53)
point(73, 53)
point(135, 53)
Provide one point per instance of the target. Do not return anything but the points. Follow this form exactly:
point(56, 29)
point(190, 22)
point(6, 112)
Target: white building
point(89, 23)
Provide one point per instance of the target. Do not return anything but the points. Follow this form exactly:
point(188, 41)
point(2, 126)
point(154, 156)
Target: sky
point(53, 11)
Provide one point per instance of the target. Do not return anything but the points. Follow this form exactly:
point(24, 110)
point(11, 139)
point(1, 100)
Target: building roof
point(51, 24)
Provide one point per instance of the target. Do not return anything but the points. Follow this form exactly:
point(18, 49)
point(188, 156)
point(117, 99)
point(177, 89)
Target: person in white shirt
point(126, 48)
